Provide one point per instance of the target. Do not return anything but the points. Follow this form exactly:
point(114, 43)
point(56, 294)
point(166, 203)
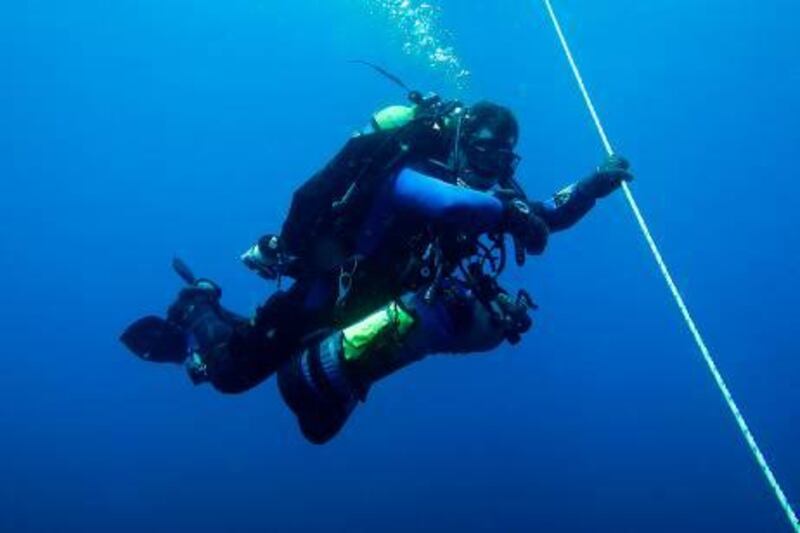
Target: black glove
point(524, 225)
point(607, 178)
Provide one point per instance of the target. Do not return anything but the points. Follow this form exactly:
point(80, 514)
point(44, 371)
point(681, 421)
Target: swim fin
point(154, 339)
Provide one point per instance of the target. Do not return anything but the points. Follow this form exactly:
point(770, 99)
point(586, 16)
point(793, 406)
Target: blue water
point(131, 131)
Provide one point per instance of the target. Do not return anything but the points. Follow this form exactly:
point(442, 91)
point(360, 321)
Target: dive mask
point(491, 160)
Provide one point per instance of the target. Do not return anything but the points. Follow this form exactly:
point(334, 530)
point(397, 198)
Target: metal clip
point(346, 282)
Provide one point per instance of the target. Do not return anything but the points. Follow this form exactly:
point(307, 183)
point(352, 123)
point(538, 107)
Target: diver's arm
point(461, 209)
point(565, 208)
point(445, 204)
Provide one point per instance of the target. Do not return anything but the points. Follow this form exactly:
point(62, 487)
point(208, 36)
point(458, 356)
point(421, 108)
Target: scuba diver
point(394, 248)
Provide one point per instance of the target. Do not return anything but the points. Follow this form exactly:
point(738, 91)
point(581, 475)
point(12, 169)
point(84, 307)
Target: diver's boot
point(195, 327)
point(207, 327)
point(231, 353)
point(194, 321)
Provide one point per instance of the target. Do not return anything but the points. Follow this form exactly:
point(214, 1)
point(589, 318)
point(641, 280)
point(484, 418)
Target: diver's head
point(488, 135)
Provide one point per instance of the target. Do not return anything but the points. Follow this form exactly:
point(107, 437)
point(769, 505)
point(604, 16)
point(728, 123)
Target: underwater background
point(135, 130)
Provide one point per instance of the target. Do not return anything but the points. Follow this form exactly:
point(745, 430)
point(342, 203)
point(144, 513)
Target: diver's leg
point(196, 320)
point(323, 384)
point(316, 388)
point(195, 333)
point(218, 346)
point(255, 349)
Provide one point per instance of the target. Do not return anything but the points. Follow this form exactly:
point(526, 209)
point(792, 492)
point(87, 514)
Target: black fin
point(154, 339)
point(183, 270)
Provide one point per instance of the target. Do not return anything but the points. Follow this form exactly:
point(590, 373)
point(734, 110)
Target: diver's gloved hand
point(524, 225)
point(607, 178)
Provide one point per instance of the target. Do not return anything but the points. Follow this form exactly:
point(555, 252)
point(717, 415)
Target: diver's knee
point(453, 324)
point(481, 333)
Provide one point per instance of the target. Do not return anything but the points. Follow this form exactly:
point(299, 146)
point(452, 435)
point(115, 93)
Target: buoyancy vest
point(328, 209)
